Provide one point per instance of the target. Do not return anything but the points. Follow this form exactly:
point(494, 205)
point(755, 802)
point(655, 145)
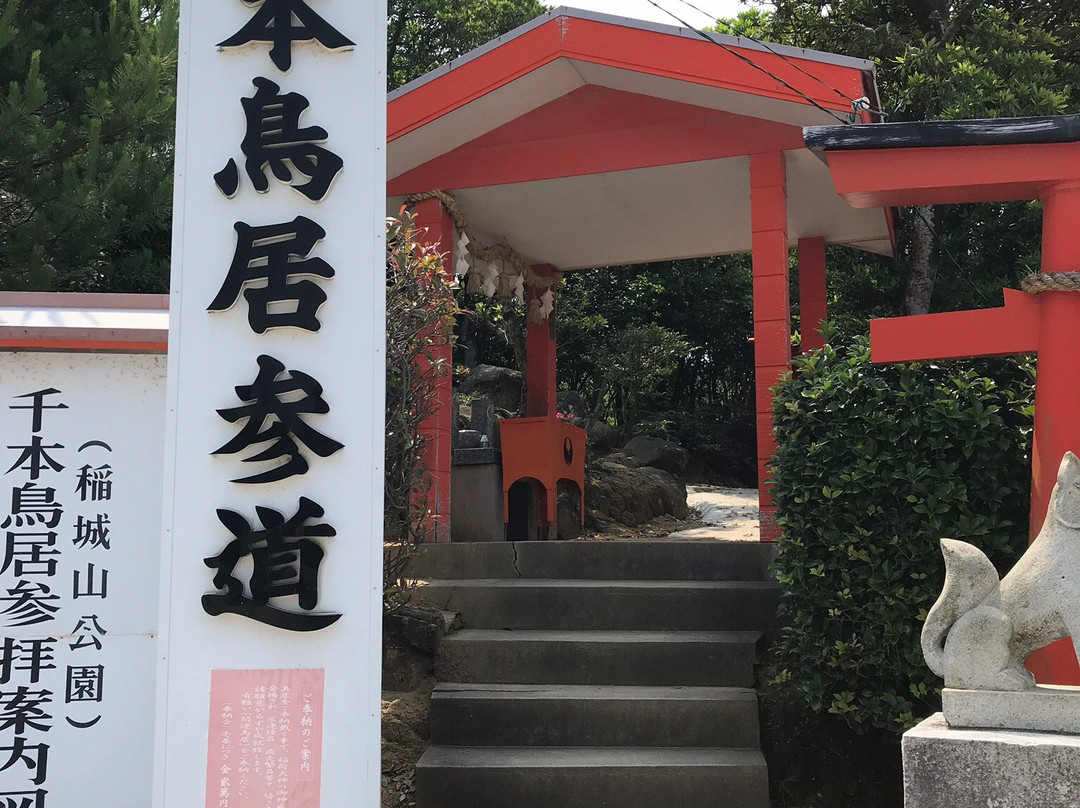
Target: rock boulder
point(617, 491)
point(658, 453)
point(502, 386)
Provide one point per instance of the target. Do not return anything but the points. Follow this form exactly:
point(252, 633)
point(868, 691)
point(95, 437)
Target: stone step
point(538, 603)
point(598, 777)
point(593, 715)
point(597, 560)
point(673, 658)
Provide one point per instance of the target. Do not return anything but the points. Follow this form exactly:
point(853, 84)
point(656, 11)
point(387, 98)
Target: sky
point(643, 10)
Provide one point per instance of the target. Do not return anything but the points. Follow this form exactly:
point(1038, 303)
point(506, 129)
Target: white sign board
point(271, 586)
point(80, 510)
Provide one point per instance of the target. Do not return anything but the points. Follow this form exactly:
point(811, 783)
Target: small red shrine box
point(543, 451)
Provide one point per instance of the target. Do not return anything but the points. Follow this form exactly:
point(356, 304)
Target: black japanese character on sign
point(92, 531)
point(90, 591)
point(87, 633)
point(84, 683)
point(285, 561)
point(35, 457)
point(82, 724)
point(34, 755)
point(274, 138)
point(273, 410)
point(267, 261)
point(32, 656)
point(29, 603)
point(273, 23)
point(22, 708)
point(30, 554)
point(95, 483)
point(38, 405)
point(23, 799)
point(33, 505)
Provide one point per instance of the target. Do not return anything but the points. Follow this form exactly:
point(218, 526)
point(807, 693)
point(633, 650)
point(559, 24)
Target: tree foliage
point(425, 34)
point(947, 60)
point(87, 111)
point(652, 347)
point(87, 104)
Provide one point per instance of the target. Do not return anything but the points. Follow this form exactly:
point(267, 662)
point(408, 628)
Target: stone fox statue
point(980, 631)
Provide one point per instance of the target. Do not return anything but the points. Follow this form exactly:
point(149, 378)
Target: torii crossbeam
point(946, 162)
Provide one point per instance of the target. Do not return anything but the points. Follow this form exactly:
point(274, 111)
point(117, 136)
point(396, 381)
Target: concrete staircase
point(592, 674)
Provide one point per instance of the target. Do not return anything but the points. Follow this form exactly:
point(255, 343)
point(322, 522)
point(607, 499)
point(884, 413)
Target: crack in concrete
point(513, 546)
point(446, 606)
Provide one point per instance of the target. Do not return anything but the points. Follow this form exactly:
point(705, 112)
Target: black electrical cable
point(704, 35)
point(735, 32)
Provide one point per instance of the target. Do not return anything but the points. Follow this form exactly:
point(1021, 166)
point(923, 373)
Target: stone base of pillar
point(976, 768)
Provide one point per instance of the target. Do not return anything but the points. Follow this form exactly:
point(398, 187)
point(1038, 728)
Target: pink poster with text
point(265, 743)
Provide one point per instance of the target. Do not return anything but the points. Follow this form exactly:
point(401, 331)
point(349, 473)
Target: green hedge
point(875, 464)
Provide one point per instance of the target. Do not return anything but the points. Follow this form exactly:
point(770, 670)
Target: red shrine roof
point(585, 140)
point(940, 162)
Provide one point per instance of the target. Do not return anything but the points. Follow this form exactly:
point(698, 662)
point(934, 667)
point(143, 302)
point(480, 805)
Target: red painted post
point(812, 294)
point(772, 310)
point(1057, 427)
point(437, 228)
point(540, 355)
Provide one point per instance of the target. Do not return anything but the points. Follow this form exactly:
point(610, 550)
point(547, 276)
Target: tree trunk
point(925, 260)
point(935, 18)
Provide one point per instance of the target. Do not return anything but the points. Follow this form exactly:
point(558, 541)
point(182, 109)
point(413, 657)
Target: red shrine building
point(582, 140)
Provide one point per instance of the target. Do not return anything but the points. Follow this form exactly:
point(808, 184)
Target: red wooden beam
point(436, 228)
point(772, 312)
point(540, 367)
point(869, 178)
point(812, 292)
point(1011, 329)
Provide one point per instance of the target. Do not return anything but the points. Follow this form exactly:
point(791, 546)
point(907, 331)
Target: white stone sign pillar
point(269, 659)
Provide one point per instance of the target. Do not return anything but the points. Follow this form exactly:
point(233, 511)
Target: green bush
point(875, 464)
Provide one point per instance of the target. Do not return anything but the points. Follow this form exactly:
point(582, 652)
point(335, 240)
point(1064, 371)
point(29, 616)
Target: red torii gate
point(946, 162)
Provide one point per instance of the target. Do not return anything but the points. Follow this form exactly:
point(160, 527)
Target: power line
point(735, 31)
point(704, 35)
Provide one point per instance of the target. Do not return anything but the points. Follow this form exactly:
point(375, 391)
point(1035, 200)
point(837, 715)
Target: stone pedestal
point(975, 768)
point(1044, 708)
point(476, 496)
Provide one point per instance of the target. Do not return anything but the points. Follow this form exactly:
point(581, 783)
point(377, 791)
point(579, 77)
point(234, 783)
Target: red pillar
point(811, 292)
point(1057, 420)
point(436, 228)
point(772, 310)
point(540, 355)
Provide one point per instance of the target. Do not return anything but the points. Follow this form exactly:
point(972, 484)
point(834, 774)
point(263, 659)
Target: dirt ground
point(405, 719)
point(659, 528)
